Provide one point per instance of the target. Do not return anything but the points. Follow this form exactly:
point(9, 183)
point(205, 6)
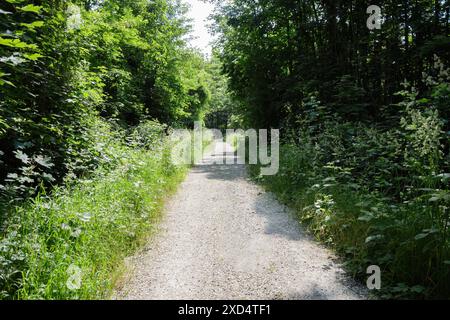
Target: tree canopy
point(64, 64)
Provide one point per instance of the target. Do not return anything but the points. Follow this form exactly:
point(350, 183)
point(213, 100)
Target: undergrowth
point(377, 195)
point(70, 244)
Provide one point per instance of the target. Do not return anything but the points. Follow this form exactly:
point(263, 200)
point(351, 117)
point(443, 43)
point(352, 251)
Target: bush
point(80, 233)
point(379, 196)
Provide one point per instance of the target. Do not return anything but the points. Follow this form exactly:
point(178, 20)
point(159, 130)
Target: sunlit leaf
point(19, 154)
point(31, 8)
point(44, 161)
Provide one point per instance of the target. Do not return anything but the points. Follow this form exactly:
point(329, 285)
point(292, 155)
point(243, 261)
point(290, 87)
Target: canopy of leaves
point(63, 64)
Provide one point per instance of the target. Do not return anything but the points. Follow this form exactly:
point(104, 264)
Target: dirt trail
point(223, 237)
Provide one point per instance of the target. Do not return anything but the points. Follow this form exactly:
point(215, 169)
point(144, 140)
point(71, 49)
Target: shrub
point(80, 233)
point(377, 195)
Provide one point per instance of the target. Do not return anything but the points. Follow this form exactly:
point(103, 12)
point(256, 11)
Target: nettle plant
point(33, 171)
point(19, 23)
point(320, 217)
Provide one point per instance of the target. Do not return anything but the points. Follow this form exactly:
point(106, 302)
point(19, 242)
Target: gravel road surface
point(223, 237)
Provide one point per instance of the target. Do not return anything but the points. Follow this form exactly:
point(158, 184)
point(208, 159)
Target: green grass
point(92, 225)
point(71, 244)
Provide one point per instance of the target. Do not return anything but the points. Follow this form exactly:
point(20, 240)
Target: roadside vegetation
point(89, 94)
point(90, 90)
point(364, 118)
point(70, 244)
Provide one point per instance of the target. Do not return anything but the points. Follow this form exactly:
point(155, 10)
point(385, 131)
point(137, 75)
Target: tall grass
point(91, 227)
point(71, 243)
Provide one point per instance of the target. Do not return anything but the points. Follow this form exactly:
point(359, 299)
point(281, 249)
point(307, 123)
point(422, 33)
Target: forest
point(364, 116)
point(91, 89)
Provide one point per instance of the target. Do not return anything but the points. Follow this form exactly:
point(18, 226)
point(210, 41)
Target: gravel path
point(223, 237)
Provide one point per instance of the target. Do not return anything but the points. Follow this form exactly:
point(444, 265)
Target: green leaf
point(16, 43)
point(12, 176)
point(368, 216)
point(33, 25)
point(421, 236)
point(44, 161)
point(423, 100)
point(31, 8)
point(22, 156)
point(374, 238)
point(33, 57)
point(418, 289)
point(400, 287)
point(48, 177)
point(444, 176)
point(3, 82)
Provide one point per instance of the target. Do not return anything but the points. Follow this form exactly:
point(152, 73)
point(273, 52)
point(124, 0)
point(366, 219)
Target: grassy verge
point(71, 244)
point(365, 228)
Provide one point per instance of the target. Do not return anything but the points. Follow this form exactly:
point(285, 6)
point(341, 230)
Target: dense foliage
point(89, 91)
point(90, 88)
point(279, 52)
point(71, 245)
point(365, 125)
point(66, 64)
point(220, 114)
